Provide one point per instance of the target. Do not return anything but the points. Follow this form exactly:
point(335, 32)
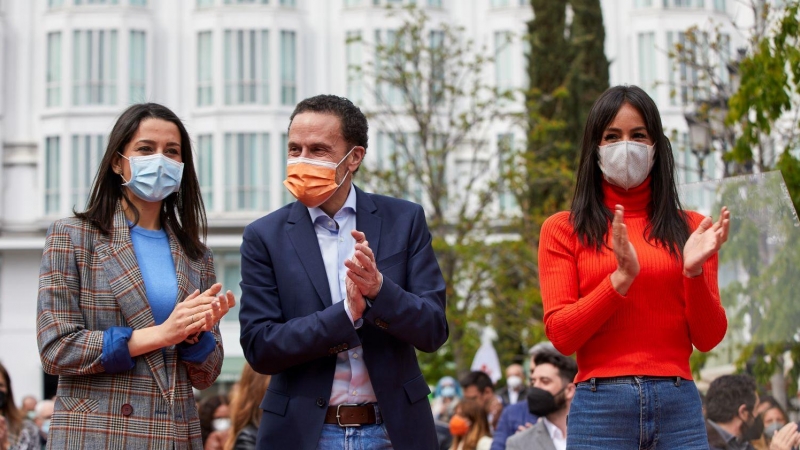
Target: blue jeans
point(636, 413)
point(365, 437)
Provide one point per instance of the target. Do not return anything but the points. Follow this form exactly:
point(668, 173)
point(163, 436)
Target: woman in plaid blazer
point(128, 307)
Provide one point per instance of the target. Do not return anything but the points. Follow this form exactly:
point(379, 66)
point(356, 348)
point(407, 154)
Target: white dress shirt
point(558, 438)
point(351, 383)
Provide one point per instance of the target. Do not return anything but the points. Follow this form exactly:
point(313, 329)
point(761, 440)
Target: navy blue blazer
point(291, 330)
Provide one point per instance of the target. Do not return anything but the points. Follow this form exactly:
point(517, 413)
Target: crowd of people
point(472, 415)
point(341, 288)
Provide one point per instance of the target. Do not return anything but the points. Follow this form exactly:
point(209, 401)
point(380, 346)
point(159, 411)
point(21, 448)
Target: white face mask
point(221, 424)
point(514, 382)
point(626, 163)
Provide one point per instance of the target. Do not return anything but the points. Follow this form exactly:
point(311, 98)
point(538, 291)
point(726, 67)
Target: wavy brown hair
point(476, 414)
point(182, 212)
point(245, 405)
point(9, 410)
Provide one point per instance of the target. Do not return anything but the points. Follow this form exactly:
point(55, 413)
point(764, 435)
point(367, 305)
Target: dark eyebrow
point(633, 129)
point(313, 144)
point(151, 142)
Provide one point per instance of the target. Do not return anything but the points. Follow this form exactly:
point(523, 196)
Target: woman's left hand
point(706, 240)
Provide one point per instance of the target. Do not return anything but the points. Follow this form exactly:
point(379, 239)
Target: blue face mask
point(153, 177)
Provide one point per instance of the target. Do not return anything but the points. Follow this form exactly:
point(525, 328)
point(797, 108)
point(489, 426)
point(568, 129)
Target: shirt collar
point(552, 430)
point(727, 437)
point(349, 204)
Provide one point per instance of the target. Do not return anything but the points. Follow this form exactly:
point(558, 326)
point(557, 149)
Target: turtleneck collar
point(636, 200)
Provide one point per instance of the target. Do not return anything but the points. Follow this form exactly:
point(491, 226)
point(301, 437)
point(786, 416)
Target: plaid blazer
point(89, 282)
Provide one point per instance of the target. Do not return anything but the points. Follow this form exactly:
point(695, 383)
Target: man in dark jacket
point(731, 422)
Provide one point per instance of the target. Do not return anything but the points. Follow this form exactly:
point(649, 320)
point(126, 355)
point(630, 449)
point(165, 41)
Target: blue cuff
point(116, 357)
point(198, 352)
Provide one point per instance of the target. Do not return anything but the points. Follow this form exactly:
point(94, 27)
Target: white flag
point(486, 359)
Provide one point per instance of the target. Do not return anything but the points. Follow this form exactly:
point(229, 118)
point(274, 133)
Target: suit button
point(320, 402)
point(127, 409)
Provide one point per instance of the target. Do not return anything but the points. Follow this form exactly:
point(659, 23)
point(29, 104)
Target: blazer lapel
point(304, 239)
point(126, 282)
point(367, 221)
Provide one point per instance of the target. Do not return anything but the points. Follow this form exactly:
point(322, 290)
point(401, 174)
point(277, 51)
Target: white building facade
point(233, 71)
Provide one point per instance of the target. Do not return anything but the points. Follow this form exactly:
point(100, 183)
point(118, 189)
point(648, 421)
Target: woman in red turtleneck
point(629, 282)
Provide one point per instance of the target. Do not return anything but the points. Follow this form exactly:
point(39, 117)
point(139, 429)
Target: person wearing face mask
point(629, 283)
point(549, 399)
point(339, 289)
point(16, 431)
point(516, 388)
point(470, 426)
point(44, 415)
point(731, 405)
point(128, 305)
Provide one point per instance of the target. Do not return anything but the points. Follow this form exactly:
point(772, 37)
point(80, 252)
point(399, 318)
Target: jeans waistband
point(631, 379)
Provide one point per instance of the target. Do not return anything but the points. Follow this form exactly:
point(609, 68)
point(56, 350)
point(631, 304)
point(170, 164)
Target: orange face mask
point(459, 426)
point(311, 181)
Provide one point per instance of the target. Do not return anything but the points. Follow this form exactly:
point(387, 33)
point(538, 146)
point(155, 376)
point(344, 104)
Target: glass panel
point(647, 63)
point(288, 68)
point(229, 273)
point(503, 61)
point(55, 3)
point(94, 67)
point(353, 47)
point(87, 152)
point(137, 67)
point(246, 66)
point(205, 169)
point(246, 184)
point(138, 2)
point(52, 175)
point(204, 69)
point(205, 3)
point(53, 94)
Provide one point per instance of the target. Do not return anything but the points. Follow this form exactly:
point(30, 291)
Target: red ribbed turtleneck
point(651, 330)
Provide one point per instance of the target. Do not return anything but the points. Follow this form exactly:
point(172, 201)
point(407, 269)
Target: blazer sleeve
point(66, 347)
point(272, 344)
point(202, 374)
point(415, 313)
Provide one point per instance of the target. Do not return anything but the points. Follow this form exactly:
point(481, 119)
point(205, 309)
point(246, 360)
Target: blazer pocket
point(275, 403)
point(416, 389)
point(393, 260)
point(79, 405)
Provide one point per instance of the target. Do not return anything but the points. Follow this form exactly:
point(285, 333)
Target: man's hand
point(362, 269)
point(355, 301)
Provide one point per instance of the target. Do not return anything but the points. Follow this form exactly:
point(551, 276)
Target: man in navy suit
point(338, 289)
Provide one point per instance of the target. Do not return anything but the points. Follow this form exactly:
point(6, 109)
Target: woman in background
point(470, 427)
point(246, 410)
point(128, 305)
point(16, 432)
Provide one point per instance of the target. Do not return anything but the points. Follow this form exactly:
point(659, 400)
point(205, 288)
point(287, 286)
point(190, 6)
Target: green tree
point(434, 112)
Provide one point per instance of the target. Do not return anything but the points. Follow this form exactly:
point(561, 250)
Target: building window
point(87, 152)
point(55, 3)
point(246, 67)
point(353, 57)
point(642, 3)
point(719, 5)
point(387, 46)
point(94, 67)
point(247, 156)
point(435, 3)
point(684, 3)
point(228, 270)
point(647, 63)
point(205, 3)
point(52, 175)
point(503, 64)
point(246, 2)
point(286, 196)
point(288, 3)
point(351, 3)
point(288, 68)
point(54, 69)
point(138, 2)
point(500, 3)
point(505, 148)
point(137, 67)
point(96, 2)
point(205, 87)
point(437, 66)
point(205, 169)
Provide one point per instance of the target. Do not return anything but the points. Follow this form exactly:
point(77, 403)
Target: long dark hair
point(590, 217)
point(9, 410)
point(182, 212)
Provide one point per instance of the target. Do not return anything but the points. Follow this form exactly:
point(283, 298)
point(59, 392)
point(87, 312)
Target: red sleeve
point(569, 320)
point(704, 311)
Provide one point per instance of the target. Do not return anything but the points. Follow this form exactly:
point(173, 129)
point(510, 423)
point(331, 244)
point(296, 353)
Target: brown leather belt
point(353, 415)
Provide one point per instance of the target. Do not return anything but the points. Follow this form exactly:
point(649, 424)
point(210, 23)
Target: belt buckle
point(339, 416)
